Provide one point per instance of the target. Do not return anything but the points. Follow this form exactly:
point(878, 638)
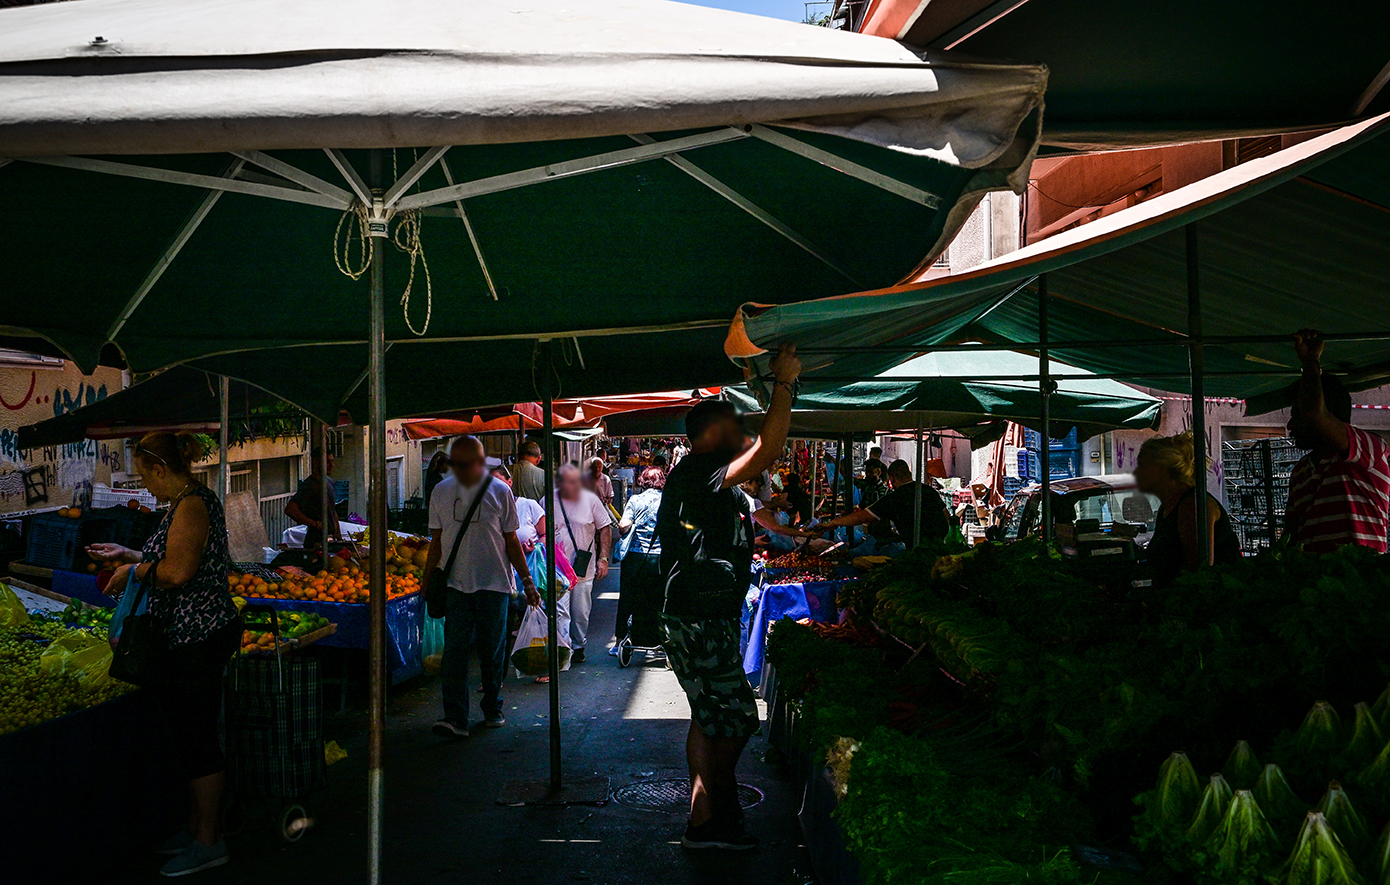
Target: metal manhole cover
point(673, 794)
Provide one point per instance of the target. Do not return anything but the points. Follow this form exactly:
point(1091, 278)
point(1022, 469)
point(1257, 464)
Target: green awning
point(181, 398)
point(1299, 238)
point(961, 391)
point(1127, 74)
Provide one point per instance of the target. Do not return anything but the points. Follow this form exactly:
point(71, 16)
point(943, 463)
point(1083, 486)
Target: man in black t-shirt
point(706, 537)
point(899, 509)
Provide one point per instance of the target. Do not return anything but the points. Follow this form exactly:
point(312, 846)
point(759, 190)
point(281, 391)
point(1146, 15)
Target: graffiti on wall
point(51, 476)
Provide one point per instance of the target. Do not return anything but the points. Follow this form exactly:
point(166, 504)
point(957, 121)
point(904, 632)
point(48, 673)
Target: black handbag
point(582, 558)
point(436, 593)
point(139, 657)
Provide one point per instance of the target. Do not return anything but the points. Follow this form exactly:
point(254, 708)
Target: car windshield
point(1130, 506)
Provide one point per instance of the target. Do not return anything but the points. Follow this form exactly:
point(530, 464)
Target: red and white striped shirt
point(1335, 501)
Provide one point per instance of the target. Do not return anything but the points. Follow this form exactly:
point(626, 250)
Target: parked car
point(1104, 520)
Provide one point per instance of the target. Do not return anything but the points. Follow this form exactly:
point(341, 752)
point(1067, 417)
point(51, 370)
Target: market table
point(811, 599)
point(108, 767)
point(404, 620)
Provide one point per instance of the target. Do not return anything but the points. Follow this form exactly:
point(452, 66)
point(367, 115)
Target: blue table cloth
point(404, 623)
point(814, 600)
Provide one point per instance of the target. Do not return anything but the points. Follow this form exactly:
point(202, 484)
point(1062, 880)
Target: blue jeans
point(474, 619)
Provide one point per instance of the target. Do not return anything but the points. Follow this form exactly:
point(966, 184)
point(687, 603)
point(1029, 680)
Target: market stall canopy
point(1299, 238)
point(531, 416)
point(606, 173)
point(1130, 74)
point(181, 398)
point(970, 391)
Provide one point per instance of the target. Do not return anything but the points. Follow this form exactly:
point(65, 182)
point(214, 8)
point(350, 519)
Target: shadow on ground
point(443, 824)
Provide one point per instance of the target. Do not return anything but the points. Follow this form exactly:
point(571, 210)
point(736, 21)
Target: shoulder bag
point(139, 654)
point(582, 558)
point(436, 598)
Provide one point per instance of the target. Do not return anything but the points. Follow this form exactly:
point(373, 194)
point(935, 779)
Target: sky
point(794, 10)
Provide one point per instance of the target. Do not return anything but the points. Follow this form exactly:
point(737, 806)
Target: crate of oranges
point(344, 582)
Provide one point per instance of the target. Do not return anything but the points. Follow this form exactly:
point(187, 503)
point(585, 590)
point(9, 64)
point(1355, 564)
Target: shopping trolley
point(274, 720)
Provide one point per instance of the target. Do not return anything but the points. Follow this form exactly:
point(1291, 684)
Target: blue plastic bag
point(124, 610)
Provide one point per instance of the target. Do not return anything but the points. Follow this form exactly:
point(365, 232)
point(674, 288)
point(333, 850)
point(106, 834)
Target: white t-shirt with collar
point(587, 517)
point(482, 561)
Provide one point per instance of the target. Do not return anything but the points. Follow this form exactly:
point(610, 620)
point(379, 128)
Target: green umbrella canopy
point(590, 189)
point(1128, 74)
point(1299, 238)
point(962, 390)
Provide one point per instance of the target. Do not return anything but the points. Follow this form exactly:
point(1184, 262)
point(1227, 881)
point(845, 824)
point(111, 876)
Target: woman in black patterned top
point(189, 557)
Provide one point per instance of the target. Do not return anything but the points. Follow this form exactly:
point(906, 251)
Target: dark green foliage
point(910, 820)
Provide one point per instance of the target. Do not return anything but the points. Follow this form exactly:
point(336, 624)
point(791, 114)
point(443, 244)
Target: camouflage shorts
point(706, 659)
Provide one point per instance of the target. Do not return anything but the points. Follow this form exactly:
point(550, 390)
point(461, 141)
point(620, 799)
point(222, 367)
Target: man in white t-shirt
point(582, 523)
point(480, 583)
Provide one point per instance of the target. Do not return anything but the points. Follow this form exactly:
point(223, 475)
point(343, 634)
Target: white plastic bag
point(530, 654)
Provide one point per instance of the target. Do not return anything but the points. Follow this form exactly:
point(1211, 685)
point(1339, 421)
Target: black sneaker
point(577, 657)
point(450, 728)
point(718, 834)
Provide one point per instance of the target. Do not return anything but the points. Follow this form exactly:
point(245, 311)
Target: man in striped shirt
point(1339, 492)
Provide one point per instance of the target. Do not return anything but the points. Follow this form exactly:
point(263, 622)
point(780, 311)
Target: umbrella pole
point(224, 473)
point(326, 502)
point(552, 623)
point(1199, 399)
point(376, 439)
point(846, 464)
point(1045, 395)
point(920, 490)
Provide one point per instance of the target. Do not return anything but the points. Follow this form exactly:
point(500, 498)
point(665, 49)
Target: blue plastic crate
point(60, 542)
point(132, 527)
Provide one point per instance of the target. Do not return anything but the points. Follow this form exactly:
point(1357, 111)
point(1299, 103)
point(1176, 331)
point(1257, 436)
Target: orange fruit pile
point(344, 583)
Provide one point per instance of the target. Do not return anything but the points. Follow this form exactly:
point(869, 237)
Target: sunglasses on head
point(141, 450)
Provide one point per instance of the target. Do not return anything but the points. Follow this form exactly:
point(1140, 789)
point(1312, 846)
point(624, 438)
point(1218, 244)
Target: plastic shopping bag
point(81, 655)
point(12, 613)
point(432, 645)
point(531, 653)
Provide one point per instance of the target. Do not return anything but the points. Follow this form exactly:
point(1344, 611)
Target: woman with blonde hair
point(186, 562)
point(1167, 469)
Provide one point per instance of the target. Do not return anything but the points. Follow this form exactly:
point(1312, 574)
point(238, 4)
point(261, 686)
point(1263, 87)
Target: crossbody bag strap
point(568, 526)
point(467, 521)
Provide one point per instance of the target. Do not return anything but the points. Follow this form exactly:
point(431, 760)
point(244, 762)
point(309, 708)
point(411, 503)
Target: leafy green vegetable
point(1366, 741)
point(1374, 779)
point(911, 820)
point(1168, 808)
point(1243, 849)
point(1320, 735)
point(1242, 769)
point(1345, 820)
point(1216, 798)
point(1318, 857)
point(1381, 709)
point(1277, 800)
point(1378, 865)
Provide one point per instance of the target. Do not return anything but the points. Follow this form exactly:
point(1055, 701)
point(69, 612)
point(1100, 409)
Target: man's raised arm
point(777, 421)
